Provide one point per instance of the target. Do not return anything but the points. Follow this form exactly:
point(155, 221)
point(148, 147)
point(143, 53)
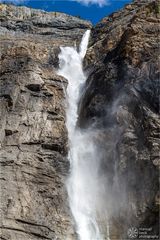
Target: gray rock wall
point(33, 137)
point(120, 102)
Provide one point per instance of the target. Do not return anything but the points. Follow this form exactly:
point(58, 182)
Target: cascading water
point(83, 181)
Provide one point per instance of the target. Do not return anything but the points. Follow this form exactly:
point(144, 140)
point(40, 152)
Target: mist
point(97, 194)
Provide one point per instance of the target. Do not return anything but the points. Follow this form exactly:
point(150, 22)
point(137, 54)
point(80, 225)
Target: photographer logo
point(132, 232)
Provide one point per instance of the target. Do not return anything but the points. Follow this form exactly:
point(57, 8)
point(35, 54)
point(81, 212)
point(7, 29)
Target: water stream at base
point(83, 182)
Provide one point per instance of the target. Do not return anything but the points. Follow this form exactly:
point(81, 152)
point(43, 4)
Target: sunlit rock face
point(32, 123)
point(120, 102)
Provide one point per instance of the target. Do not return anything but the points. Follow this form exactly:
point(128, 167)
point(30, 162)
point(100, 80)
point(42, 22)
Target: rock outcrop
point(120, 101)
point(33, 136)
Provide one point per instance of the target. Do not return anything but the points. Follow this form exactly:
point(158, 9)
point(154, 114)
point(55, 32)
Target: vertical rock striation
point(33, 137)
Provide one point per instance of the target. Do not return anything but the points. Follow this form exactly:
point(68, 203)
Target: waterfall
point(82, 184)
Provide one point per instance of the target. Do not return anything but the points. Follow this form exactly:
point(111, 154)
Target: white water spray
point(83, 181)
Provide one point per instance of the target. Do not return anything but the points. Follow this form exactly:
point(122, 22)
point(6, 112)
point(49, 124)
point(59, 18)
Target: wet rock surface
point(120, 101)
point(33, 137)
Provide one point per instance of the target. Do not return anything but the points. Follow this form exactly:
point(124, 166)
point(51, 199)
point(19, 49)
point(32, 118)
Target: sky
point(93, 10)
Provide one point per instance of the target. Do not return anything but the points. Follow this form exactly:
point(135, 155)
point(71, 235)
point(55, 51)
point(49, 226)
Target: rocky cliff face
point(120, 104)
point(33, 136)
point(120, 101)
